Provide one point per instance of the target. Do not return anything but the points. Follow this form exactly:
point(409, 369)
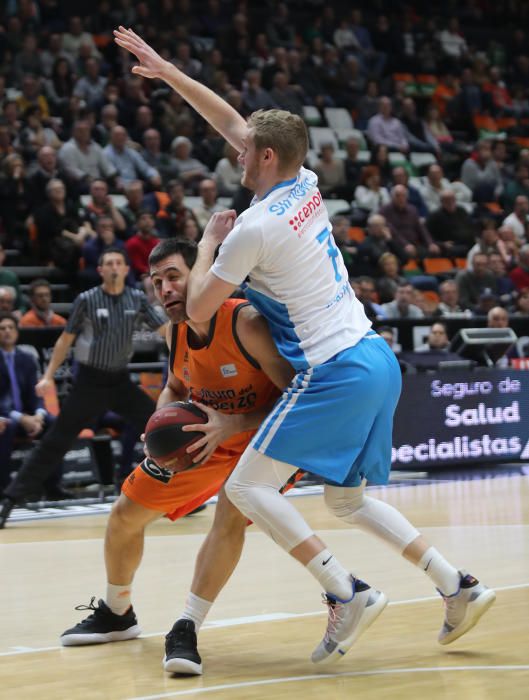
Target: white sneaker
point(464, 608)
point(348, 619)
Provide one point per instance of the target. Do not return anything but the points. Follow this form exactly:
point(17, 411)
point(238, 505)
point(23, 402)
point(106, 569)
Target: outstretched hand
point(151, 63)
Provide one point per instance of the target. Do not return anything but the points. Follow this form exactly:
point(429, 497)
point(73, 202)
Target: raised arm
point(215, 110)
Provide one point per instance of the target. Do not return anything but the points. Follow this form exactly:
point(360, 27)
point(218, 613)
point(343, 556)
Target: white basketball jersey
point(297, 277)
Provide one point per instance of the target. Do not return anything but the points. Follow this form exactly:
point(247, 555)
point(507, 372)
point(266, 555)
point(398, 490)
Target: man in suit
point(22, 412)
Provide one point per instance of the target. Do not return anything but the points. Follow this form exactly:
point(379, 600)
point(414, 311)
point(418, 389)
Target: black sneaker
point(181, 653)
point(101, 626)
point(6, 506)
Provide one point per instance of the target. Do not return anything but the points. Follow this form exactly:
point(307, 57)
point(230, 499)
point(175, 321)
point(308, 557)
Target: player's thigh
point(128, 515)
point(227, 517)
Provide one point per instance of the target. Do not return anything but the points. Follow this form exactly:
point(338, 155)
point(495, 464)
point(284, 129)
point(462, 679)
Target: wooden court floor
point(261, 631)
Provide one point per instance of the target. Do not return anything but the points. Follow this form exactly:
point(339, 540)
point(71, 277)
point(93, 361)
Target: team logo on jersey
point(102, 313)
point(228, 370)
point(305, 213)
point(158, 473)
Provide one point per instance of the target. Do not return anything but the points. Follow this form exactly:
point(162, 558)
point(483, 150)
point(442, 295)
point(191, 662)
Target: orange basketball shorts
point(176, 495)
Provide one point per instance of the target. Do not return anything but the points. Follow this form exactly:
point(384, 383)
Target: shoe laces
point(179, 634)
point(90, 606)
point(333, 607)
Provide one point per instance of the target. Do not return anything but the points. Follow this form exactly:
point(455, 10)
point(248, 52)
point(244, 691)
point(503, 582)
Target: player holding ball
point(233, 372)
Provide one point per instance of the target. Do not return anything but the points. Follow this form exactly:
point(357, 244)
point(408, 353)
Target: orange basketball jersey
point(222, 374)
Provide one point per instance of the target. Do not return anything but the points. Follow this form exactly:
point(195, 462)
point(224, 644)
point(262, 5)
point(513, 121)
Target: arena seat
point(437, 266)
point(419, 160)
point(335, 206)
point(320, 135)
point(338, 118)
point(311, 115)
point(31, 272)
point(343, 134)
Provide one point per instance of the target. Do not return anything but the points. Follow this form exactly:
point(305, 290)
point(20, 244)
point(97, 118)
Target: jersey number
point(332, 251)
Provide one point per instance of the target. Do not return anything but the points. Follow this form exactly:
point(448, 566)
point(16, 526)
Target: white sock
point(118, 598)
point(196, 609)
point(331, 575)
point(443, 574)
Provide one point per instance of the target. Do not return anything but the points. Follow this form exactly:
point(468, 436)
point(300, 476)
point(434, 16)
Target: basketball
point(167, 442)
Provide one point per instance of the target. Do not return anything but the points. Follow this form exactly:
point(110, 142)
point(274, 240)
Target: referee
point(102, 320)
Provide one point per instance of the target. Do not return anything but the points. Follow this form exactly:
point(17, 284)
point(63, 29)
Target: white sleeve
point(239, 254)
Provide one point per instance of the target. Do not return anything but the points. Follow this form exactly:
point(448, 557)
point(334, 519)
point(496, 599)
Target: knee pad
point(343, 502)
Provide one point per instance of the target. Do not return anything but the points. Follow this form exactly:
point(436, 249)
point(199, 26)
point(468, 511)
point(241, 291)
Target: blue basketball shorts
point(336, 419)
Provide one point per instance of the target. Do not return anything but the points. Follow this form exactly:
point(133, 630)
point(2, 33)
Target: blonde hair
point(283, 132)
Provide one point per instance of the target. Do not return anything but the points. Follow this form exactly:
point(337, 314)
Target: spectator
point(41, 315)
point(8, 301)
point(431, 186)
point(32, 97)
point(406, 227)
point(348, 249)
point(173, 217)
point(451, 40)
point(505, 286)
point(481, 174)
point(75, 38)
point(102, 204)
point(489, 242)
point(84, 160)
point(59, 87)
point(400, 177)
point(353, 167)
point(366, 293)
point(330, 171)
point(367, 105)
point(377, 242)
point(44, 170)
point(191, 171)
point(437, 127)
point(451, 226)
point(418, 135)
point(22, 412)
point(9, 278)
point(60, 235)
point(449, 306)
point(14, 201)
point(191, 230)
point(94, 248)
point(228, 172)
point(521, 307)
point(34, 135)
point(208, 205)
point(520, 274)
point(286, 96)
point(27, 60)
point(109, 119)
point(437, 339)
point(389, 335)
point(139, 246)
point(402, 307)
point(254, 96)
point(54, 52)
point(370, 196)
point(519, 186)
point(517, 220)
point(129, 164)
point(137, 201)
point(156, 158)
point(380, 158)
point(472, 283)
point(389, 278)
point(386, 129)
point(91, 86)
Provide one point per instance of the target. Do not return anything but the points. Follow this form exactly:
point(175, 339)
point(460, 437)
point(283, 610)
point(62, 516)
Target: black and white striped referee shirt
point(104, 324)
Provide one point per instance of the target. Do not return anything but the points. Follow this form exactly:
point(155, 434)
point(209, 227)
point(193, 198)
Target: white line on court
point(323, 676)
point(254, 619)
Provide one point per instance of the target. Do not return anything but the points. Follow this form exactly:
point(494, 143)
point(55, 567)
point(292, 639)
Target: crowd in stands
point(418, 115)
